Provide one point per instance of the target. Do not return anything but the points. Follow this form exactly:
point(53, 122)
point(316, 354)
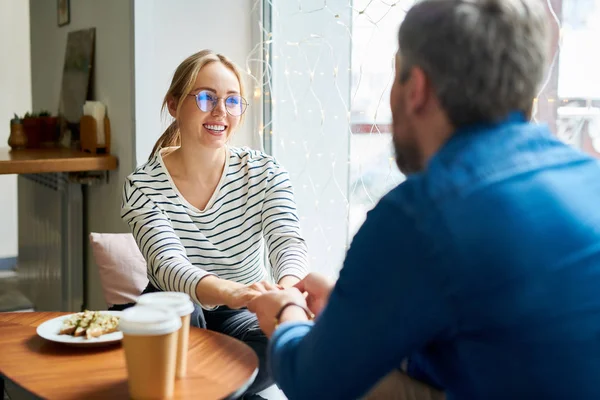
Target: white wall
point(113, 82)
point(168, 31)
point(15, 97)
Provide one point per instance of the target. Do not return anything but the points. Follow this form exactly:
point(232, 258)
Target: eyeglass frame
point(244, 101)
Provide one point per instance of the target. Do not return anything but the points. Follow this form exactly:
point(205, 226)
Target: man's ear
point(418, 90)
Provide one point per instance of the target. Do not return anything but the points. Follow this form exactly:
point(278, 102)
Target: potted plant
point(49, 127)
point(17, 138)
point(33, 130)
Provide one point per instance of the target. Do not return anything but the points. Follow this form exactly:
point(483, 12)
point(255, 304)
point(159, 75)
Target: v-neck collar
point(212, 199)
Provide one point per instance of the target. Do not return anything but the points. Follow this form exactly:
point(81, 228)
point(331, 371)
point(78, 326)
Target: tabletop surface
point(218, 365)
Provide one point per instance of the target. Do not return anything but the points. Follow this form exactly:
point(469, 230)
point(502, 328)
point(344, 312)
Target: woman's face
point(199, 122)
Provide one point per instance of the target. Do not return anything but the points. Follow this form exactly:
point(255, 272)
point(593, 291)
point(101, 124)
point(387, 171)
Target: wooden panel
point(218, 365)
point(33, 161)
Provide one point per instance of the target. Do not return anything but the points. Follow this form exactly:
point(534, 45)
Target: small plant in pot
point(17, 139)
point(49, 128)
point(33, 130)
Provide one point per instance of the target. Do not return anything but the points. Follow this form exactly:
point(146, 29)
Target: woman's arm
point(288, 281)
point(216, 291)
point(169, 268)
point(288, 254)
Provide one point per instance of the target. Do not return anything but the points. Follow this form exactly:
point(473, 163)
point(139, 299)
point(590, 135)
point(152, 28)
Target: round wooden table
point(218, 366)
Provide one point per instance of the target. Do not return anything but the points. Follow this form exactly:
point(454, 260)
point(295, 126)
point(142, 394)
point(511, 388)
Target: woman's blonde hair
point(182, 84)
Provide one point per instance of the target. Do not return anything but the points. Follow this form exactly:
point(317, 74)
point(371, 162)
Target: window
point(577, 81)
point(326, 98)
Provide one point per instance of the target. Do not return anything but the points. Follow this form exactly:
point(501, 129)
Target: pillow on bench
point(122, 267)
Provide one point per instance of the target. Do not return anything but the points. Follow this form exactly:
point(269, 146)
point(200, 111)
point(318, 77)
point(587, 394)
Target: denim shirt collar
point(464, 136)
point(511, 118)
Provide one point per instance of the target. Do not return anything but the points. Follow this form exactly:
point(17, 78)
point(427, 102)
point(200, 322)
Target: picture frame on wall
point(63, 12)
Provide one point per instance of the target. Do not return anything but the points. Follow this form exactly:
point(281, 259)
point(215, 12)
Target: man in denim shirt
point(483, 267)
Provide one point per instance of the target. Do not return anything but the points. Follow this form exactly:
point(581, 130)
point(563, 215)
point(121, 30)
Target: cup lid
point(145, 320)
point(179, 302)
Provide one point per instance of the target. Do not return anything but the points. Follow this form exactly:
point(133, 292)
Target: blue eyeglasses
point(207, 101)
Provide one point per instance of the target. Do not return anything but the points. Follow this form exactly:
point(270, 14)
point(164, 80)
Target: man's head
point(463, 62)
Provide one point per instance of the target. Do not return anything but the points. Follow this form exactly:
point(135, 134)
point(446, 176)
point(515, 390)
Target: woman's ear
point(172, 106)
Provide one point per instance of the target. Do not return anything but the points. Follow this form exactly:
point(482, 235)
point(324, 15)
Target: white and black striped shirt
point(252, 203)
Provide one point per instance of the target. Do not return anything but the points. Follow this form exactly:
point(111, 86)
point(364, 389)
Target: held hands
point(239, 297)
point(312, 292)
point(267, 307)
point(317, 288)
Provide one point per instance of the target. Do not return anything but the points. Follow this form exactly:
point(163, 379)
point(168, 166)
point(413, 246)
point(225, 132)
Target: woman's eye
point(233, 100)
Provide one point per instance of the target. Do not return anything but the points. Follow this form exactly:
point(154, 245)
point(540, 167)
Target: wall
point(15, 97)
point(168, 31)
point(165, 33)
point(113, 83)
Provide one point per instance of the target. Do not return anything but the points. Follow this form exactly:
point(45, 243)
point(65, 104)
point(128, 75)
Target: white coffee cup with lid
point(150, 343)
point(182, 305)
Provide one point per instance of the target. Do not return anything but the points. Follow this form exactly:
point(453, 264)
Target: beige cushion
point(122, 266)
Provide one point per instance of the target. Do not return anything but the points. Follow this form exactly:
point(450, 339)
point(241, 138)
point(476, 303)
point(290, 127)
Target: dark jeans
point(239, 324)
point(242, 325)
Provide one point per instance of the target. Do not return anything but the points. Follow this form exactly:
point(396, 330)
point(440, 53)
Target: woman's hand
point(317, 288)
point(240, 297)
point(214, 291)
point(267, 306)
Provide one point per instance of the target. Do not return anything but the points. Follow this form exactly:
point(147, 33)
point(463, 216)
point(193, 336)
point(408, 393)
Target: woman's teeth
point(218, 128)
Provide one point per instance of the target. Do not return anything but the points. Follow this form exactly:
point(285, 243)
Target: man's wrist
point(293, 311)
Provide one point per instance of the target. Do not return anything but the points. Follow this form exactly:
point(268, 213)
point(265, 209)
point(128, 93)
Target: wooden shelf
point(35, 161)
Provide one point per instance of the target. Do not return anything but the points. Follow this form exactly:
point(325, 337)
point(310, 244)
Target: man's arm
point(386, 304)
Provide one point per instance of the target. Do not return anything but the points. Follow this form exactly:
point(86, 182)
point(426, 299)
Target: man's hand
point(267, 306)
point(318, 289)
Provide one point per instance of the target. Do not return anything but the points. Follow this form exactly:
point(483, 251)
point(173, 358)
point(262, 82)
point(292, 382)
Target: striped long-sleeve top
point(253, 204)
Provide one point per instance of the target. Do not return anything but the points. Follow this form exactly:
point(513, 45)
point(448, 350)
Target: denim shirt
point(484, 269)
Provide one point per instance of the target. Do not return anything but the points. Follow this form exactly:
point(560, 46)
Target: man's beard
point(408, 156)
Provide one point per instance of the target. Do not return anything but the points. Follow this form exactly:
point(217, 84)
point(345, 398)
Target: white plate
point(50, 329)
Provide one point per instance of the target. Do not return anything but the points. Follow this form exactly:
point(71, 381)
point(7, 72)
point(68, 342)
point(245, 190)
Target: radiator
point(50, 261)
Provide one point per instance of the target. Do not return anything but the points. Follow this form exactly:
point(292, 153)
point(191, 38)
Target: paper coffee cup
point(181, 304)
point(150, 344)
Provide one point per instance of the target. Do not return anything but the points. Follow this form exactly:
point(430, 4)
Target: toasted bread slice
point(98, 331)
point(86, 321)
point(70, 324)
point(102, 324)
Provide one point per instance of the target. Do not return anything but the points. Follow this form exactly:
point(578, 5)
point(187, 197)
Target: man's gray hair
point(484, 58)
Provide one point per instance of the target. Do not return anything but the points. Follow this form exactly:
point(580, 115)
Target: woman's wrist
point(288, 281)
point(214, 291)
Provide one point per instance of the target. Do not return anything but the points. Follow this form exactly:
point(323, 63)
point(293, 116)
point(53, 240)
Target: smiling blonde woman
point(203, 213)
